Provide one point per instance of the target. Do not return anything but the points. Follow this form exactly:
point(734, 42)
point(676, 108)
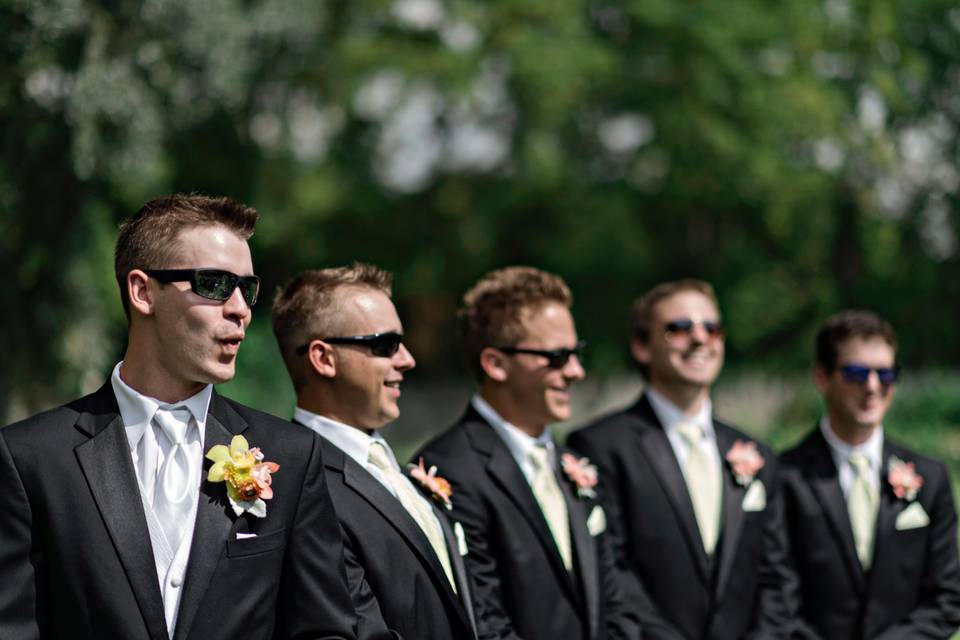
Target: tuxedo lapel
point(884, 568)
point(656, 448)
point(107, 465)
point(361, 482)
point(508, 476)
point(585, 551)
point(733, 515)
point(459, 570)
point(824, 479)
point(215, 517)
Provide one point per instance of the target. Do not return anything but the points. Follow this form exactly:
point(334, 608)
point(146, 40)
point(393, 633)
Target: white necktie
point(862, 506)
point(704, 484)
point(415, 504)
point(550, 497)
point(172, 496)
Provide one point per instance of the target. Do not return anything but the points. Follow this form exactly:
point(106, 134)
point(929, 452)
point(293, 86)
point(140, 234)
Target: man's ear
point(493, 363)
point(138, 292)
point(322, 359)
point(640, 350)
point(821, 377)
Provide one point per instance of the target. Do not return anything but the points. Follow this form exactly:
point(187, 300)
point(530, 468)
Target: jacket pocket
point(259, 544)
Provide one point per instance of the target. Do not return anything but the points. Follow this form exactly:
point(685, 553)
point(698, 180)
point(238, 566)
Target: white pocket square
point(244, 536)
point(755, 498)
point(461, 538)
point(597, 521)
point(913, 517)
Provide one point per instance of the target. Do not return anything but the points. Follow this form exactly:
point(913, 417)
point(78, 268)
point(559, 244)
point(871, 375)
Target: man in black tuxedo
point(872, 524)
point(692, 503)
point(341, 339)
point(540, 563)
point(114, 525)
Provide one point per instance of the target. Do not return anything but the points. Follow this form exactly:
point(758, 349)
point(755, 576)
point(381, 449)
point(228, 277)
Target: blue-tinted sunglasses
point(859, 373)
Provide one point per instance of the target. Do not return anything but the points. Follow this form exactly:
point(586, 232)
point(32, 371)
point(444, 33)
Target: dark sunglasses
point(683, 327)
point(212, 284)
point(860, 374)
point(556, 358)
point(382, 345)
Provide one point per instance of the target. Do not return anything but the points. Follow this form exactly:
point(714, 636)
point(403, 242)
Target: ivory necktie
point(415, 504)
point(172, 496)
point(862, 507)
point(554, 508)
point(703, 482)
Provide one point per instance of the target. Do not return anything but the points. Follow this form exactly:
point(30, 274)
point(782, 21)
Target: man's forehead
point(865, 346)
point(688, 301)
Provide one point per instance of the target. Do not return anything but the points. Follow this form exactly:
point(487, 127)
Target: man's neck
point(852, 433)
point(144, 380)
point(314, 404)
point(501, 403)
point(688, 399)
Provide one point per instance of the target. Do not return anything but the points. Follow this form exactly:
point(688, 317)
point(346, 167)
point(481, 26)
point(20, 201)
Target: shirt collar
point(137, 410)
point(352, 441)
point(670, 415)
point(871, 448)
point(518, 442)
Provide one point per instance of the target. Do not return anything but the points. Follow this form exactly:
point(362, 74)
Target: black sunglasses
point(382, 345)
point(683, 327)
point(212, 284)
point(860, 374)
point(556, 358)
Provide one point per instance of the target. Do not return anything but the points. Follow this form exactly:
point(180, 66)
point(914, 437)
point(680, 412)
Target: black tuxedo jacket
point(681, 593)
point(75, 554)
point(386, 549)
point(522, 589)
point(912, 589)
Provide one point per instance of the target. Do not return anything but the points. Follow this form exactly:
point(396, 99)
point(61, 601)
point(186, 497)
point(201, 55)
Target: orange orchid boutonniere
point(438, 486)
point(582, 474)
point(245, 473)
point(745, 461)
point(904, 479)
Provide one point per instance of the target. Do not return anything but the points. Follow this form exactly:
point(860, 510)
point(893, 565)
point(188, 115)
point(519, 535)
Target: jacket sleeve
point(19, 609)
point(314, 601)
point(370, 622)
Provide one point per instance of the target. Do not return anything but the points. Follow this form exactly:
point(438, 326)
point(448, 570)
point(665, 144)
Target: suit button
point(176, 581)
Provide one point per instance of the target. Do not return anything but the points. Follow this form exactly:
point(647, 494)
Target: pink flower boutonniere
point(904, 479)
point(245, 473)
point(745, 461)
point(582, 474)
point(438, 486)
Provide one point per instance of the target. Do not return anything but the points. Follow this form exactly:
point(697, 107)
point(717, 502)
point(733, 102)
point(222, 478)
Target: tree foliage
point(799, 155)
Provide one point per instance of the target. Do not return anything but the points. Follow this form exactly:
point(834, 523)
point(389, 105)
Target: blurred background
point(801, 156)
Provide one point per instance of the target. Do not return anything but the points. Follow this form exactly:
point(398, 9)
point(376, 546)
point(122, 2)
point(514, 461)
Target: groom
point(111, 522)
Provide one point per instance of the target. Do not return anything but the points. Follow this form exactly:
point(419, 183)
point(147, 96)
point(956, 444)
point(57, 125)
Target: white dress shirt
point(149, 447)
point(356, 444)
point(871, 449)
point(519, 443)
point(670, 416)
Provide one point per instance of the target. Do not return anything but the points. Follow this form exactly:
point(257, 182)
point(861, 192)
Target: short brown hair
point(641, 311)
point(495, 308)
point(850, 323)
point(308, 307)
point(149, 239)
